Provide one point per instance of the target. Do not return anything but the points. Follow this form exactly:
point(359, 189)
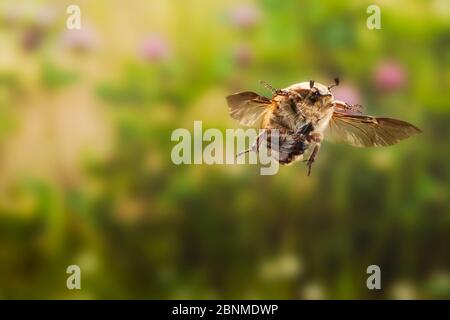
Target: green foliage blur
point(86, 176)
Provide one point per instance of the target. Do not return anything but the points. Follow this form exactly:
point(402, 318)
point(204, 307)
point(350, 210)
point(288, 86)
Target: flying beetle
point(305, 113)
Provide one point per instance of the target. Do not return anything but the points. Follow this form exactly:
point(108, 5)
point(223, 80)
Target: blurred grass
point(86, 176)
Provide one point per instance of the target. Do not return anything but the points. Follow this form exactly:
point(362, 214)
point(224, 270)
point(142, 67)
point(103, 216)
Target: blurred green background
point(86, 176)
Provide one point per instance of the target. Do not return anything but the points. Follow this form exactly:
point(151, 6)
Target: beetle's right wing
point(247, 107)
point(366, 131)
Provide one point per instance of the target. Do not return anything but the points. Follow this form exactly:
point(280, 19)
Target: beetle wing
point(247, 107)
point(367, 131)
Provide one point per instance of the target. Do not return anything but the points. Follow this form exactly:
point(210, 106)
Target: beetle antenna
point(311, 83)
point(336, 83)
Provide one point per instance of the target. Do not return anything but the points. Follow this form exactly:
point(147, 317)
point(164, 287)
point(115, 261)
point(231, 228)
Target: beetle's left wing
point(247, 107)
point(367, 131)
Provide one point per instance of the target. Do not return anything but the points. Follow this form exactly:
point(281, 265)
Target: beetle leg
point(273, 90)
point(255, 145)
point(317, 139)
point(344, 107)
point(355, 108)
point(312, 157)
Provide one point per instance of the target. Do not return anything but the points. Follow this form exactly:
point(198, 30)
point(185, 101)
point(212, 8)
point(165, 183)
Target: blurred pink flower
point(84, 39)
point(389, 75)
point(243, 55)
point(154, 48)
point(347, 93)
point(45, 17)
point(245, 16)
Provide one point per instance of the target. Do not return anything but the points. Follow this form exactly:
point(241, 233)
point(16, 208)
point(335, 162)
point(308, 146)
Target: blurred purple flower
point(243, 55)
point(84, 39)
point(389, 75)
point(245, 16)
point(347, 93)
point(32, 38)
point(37, 29)
point(154, 49)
